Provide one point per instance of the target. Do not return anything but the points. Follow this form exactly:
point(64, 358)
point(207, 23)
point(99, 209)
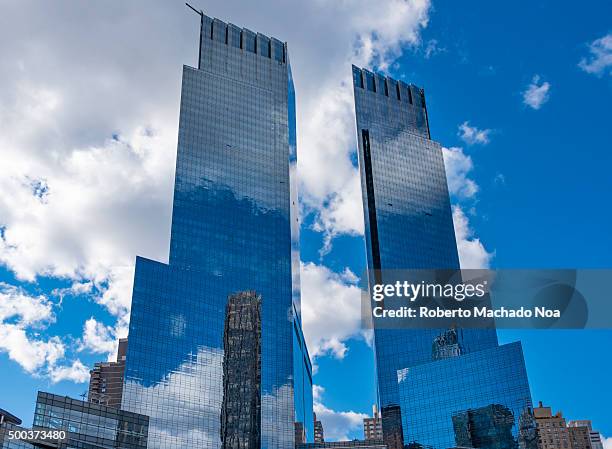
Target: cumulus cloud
point(17, 304)
point(331, 309)
point(607, 442)
point(326, 125)
point(472, 253)
point(472, 135)
point(20, 315)
point(77, 372)
point(463, 189)
point(537, 93)
point(97, 337)
point(458, 166)
point(31, 353)
point(599, 61)
point(336, 424)
point(89, 115)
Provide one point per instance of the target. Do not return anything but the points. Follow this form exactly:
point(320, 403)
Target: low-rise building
point(594, 435)
point(88, 423)
point(579, 437)
point(106, 379)
point(319, 437)
point(551, 429)
point(372, 427)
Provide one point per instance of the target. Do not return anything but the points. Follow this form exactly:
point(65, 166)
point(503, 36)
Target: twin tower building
point(216, 355)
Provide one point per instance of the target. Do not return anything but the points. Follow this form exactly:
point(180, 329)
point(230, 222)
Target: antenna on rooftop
point(201, 14)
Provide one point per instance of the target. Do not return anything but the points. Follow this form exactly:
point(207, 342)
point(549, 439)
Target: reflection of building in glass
point(485, 427)
point(319, 436)
point(487, 389)
point(90, 425)
point(361, 444)
point(446, 345)
point(528, 432)
point(594, 435)
point(409, 226)
point(302, 381)
point(372, 427)
point(106, 379)
point(234, 229)
point(393, 434)
point(552, 429)
point(241, 407)
point(300, 434)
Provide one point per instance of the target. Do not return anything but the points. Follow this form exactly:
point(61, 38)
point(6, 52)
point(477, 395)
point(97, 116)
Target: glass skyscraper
point(409, 225)
point(234, 245)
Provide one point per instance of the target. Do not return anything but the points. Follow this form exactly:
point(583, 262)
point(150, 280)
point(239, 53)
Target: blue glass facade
point(408, 225)
point(89, 425)
point(234, 230)
point(440, 400)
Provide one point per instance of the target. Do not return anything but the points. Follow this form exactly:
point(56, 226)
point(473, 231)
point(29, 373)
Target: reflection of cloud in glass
point(190, 395)
point(277, 418)
point(177, 325)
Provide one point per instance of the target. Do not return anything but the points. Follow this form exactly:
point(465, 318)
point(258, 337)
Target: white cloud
point(81, 288)
point(336, 425)
point(15, 303)
point(607, 442)
point(458, 166)
point(432, 48)
point(472, 253)
point(472, 135)
point(18, 311)
point(317, 393)
point(349, 277)
point(341, 213)
point(331, 309)
point(77, 372)
point(32, 354)
point(20, 314)
point(97, 337)
point(329, 183)
point(599, 62)
point(537, 93)
point(89, 113)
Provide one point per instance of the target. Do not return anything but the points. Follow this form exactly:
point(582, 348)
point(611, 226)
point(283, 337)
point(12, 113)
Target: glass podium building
point(234, 235)
point(409, 226)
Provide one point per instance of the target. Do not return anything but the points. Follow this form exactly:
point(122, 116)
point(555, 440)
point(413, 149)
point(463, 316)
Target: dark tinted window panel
point(278, 50)
point(263, 45)
point(248, 41)
point(233, 35)
point(357, 78)
point(369, 81)
point(219, 30)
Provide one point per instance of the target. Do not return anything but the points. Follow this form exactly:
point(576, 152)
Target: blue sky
point(532, 176)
